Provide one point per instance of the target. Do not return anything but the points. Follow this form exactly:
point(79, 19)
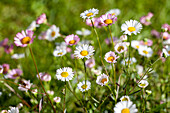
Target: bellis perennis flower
point(82, 87)
point(72, 39)
point(108, 19)
point(52, 33)
point(89, 13)
point(25, 85)
point(41, 19)
point(13, 74)
point(102, 79)
point(115, 12)
point(64, 74)
point(111, 57)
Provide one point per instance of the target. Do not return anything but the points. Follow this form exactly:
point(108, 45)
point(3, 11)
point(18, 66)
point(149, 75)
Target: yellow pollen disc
point(89, 14)
point(64, 74)
point(15, 75)
point(84, 53)
point(137, 46)
point(72, 41)
point(146, 43)
point(144, 51)
point(108, 21)
point(125, 110)
point(103, 80)
point(125, 99)
point(60, 53)
point(128, 62)
point(168, 52)
point(142, 84)
point(120, 48)
point(113, 13)
point(26, 40)
point(111, 58)
point(53, 33)
point(84, 86)
point(164, 37)
point(131, 29)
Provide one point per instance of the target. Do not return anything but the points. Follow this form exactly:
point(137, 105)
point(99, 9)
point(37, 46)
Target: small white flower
point(32, 26)
point(131, 26)
point(57, 99)
point(145, 51)
point(125, 98)
point(89, 13)
point(123, 37)
point(135, 44)
point(84, 51)
point(102, 79)
point(127, 61)
point(64, 74)
point(139, 69)
point(143, 84)
point(120, 47)
point(18, 56)
point(13, 110)
point(166, 50)
point(52, 33)
point(83, 32)
point(59, 52)
point(1, 69)
point(82, 87)
point(166, 42)
point(25, 85)
point(115, 12)
point(50, 92)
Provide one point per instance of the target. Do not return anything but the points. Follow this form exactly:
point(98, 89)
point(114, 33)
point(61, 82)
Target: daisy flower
point(14, 73)
point(83, 32)
point(145, 51)
point(57, 99)
point(5, 68)
point(18, 56)
point(125, 107)
point(165, 35)
point(50, 92)
point(82, 87)
point(52, 33)
point(4, 42)
point(127, 61)
point(123, 37)
point(32, 26)
point(145, 20)
point(125, 98)
point(1, 69)
point(89, 13)
point(25, 85)
point(102, 79)
point(59, 52)
point(41, 19)
point(166, 27)
point(166, 50)
point(24, 38)
point(84, 51)
point(135, 44)
point(111, 57)
point(115, 12)
point(44, 76)
point(131, 26)
point(108, 19)
point(143, 84)
point(72, 39)
point(13, 110)
point(90, 63)
point(120, 47)
point(147, 42)
point(64, 74)
point(9, 48)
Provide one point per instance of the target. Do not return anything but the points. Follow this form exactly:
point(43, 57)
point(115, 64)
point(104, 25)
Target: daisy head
point(147, 42)
point(102, 79)
point(1, 69)
point(115, 12)
point(14, 73)
point(44, 76)
point(131, 26)
point(72, 39)
point(129, 61)
point(83, 32)
point(165, 35)
point(108, 19)
point(18, 56)
point(32, 26)
point(57, 99)
point(24, 38)
point(111, 57)
point(82, 87)
point(135, 44)
point(13, 110)
point(84, 51)
point(166, 27)
point(90, 63)
point(64, 74)
point(143, 84)
point(145, 51)
point(52, 33)
point(120, 47)
point(125, 98)
point(166, 50)
point(125, 107)
point(89, 13)
point(59, 52)
point(41, 19)
point(5, 68)
point(25, 85)
point(145, 20)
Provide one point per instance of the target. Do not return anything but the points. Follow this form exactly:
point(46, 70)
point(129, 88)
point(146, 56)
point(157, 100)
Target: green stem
point(130, 38)
point(85, 76)
point(64, 106)
point(111, 36)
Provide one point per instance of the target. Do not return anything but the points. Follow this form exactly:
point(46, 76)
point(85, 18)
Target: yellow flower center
point(108, 21)
point(103, 80)
point(64, 74)
point(125, 99)
point(168, 52)
point(120, 48)
point(131, 29)
point(72, 41)
point(111, 58)
point(125, 110)
point(60, 53)
point(128, 62)
point(113, 13)
point(84, 86)
point(137, 46)
point(146, 43)
point(53, 33)
point(144, 51)
point(84, 53)
point(142, 84)
point(89, 14)
point(26, 40)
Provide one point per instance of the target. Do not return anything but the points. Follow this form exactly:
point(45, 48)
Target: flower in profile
point(44, 76)
point(13, 110)
point(5, 68)
point(125, 107)
point(145, 20)
point(25, 85)
point(14, 73)
point(4, 42)
point(41, 19)
point(72, 39)
point(84, 87)
point(135, 44)
point(111, 57)
point(120, 47)
point(24, 38)
point(166, 27)
point(18, 56)
point(52, 33)
point(64, 74)
point(57, 99)
point(1, 69)
point(143, 84)
point(90, 63)
point(102, 79)
point(108, 19)
point(89, 13)
point(123, 37)
point(165, 35)
point(145, 51)
point(125, 98)
point(84, 51)
point(9, 48)
point(115, 12)
point(166, 51)
point(83, 32)
point(50, 92)
point(155, 33)
point(166, 42)
point(146, 42)
point(32, 26)
point(59, 52)
point(127, 61)
point(131, 26)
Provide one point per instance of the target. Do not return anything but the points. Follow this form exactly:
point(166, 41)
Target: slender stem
point(64, 106)
point(111, 36)
point(85, 76)
point(130, 38)
point(75, 61)
point(113, 70)
point(40, 79)
point(102, 102)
